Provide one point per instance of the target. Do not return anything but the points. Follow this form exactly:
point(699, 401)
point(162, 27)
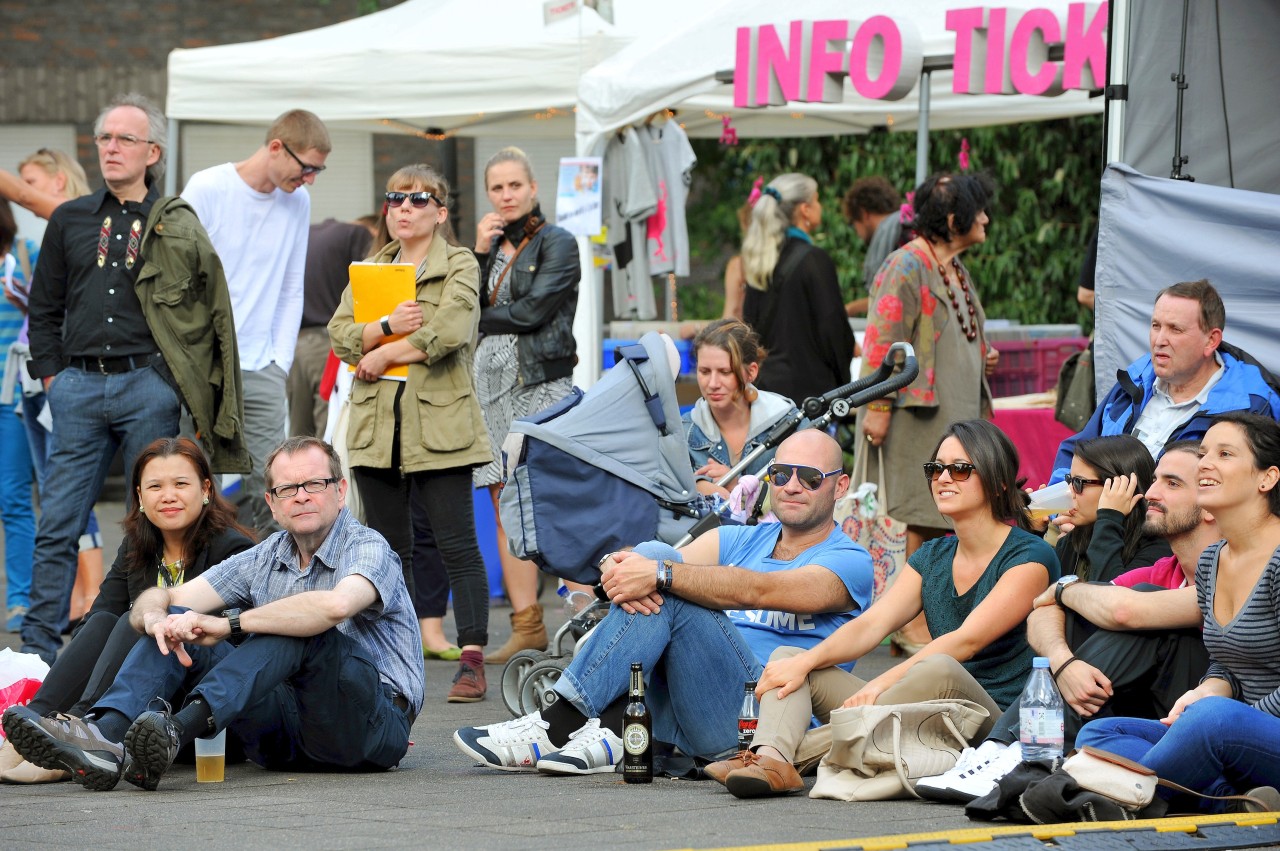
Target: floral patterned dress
point(912, 301)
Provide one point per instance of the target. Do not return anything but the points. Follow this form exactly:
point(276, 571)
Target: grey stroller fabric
point(588, 475)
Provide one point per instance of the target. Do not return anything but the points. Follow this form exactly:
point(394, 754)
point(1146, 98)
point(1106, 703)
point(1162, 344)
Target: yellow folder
point(376, 289)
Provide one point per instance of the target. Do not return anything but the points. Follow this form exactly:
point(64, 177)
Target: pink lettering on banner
point(826, 66)
point(970, 62)
point(1032, 35)
point(778, 68)
point(898, 55)
point(996, 80)
point(744, 65)
point(1084, 61)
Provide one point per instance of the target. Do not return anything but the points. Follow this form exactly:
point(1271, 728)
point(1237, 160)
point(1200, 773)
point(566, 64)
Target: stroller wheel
point(513, 672)
point(537, 686)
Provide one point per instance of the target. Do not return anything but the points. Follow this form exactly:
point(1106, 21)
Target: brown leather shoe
point(469, 684)
point(718, 771)
point(765, 776)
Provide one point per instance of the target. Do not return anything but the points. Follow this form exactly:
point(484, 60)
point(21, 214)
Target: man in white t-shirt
point(257, 213)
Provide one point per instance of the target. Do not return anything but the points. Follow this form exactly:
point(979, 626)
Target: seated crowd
point(1158, 607)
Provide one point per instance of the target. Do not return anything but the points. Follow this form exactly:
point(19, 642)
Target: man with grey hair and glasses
point(130, 318)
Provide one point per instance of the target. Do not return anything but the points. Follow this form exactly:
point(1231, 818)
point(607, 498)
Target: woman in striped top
point(1223, 737)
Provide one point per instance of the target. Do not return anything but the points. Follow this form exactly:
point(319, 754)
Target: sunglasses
point(960, 470)
point(810, 477)
point(417, 199)
point(307, 169)
point(1079, 483)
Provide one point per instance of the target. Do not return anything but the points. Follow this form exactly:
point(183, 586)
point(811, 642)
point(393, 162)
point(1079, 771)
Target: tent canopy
point(488, 68)
point(680, 69)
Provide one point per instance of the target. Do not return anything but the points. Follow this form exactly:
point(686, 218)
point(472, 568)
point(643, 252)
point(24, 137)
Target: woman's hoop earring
point(750, 393)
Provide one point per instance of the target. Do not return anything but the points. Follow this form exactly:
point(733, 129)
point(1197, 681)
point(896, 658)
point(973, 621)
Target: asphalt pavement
point(439, 798)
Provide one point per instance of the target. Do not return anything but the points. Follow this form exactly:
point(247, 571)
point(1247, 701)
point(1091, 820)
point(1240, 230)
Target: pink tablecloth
point(1036, 434)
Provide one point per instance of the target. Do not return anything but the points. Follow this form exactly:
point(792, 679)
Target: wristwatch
point(233, 618)
point(385, 322)
point(1069, 579)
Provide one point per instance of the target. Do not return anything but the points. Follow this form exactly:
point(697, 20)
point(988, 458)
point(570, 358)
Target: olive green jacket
point(184, 297)
point(441, 425)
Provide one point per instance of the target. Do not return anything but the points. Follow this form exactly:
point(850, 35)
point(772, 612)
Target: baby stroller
point(608, 468)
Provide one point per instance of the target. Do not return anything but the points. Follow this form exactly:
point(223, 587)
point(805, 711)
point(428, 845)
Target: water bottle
point(1040, 714)
point(748, 716)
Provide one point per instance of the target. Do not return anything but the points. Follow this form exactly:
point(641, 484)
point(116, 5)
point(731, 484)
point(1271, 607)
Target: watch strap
point(385, 322)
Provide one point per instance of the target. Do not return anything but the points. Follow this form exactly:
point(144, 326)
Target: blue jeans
point(40, 442)
point(1219, 746)
point(15, 507)
point(300, 704)
point(695, 663)
point(93, 416)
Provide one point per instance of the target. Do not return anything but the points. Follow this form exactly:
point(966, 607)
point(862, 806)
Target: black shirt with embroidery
point(83, 302)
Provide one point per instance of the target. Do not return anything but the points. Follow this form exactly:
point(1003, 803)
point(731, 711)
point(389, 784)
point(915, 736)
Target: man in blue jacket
point(1190, 375)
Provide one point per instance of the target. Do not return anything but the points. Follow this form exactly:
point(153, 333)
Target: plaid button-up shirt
point(388, 629)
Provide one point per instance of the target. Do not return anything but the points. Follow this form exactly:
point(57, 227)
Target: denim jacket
point(706, 442)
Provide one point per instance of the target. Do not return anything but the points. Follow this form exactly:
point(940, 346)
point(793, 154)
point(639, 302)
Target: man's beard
point(1169, 525)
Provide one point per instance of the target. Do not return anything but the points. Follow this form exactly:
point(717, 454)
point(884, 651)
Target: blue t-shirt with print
point(751, 547)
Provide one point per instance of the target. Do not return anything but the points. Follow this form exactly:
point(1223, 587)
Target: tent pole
point(922, 129)
point(171, 159)
point(1117, 79)
point(588, 319)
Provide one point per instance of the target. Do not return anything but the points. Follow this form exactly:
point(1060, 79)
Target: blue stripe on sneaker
point(537, 752)
point(608, 750)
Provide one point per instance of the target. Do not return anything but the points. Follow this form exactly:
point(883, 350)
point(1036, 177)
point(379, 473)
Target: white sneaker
point(975, 773)
point(514, 745)
point(591, 750)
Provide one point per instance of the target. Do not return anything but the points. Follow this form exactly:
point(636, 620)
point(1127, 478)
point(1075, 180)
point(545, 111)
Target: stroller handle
point(838, 402)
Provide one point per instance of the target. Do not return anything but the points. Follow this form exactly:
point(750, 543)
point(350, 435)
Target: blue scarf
point(795, 233)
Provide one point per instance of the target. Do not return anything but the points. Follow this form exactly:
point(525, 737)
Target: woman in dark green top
point(975, 589)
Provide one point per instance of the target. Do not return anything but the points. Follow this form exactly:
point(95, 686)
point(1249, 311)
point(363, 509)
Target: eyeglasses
point(307, 170)
point(312, 486)
point(126, 140)
point(1079, 483)
point(417, 199)
point(810, 477)
point(960, 470)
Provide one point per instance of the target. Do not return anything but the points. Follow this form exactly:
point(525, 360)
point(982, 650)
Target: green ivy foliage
point(1048, 175)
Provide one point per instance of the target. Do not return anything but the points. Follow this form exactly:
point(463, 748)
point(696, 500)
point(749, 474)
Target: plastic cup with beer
point(211, 758)
point(1051, 500)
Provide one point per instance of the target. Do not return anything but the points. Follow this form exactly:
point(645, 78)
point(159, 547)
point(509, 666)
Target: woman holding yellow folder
point(424, 433)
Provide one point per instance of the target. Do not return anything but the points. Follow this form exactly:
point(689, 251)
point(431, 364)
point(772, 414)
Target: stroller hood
point(626, 431)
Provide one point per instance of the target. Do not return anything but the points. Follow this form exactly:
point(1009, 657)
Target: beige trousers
point(784, 724)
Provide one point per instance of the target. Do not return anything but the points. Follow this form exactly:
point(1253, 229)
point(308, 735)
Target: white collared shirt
point(1162, 415)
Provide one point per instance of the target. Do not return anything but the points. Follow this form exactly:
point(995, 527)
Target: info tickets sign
point(997, 51)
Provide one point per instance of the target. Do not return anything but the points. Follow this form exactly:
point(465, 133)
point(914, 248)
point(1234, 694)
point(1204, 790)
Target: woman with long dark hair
point(1107, 537)
point(1223, 737)
point(975, 589)
point(178, 525)
point(924, 295)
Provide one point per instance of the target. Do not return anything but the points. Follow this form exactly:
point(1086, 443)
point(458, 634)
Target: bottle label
point(635, 738)
point(1040, 725)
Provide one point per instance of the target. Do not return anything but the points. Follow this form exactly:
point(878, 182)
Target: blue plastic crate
point(685, 347)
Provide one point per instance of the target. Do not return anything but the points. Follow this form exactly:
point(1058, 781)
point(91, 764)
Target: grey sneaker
point(71, 744)
point(152, 745)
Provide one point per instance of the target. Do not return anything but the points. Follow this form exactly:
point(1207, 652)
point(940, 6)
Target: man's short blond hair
point(301, 131)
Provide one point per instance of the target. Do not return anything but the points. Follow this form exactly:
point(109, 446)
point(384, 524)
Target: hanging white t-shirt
point(672, 159)
point(262, 241)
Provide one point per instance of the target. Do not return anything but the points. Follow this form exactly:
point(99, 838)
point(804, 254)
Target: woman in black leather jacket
point(529, 272)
